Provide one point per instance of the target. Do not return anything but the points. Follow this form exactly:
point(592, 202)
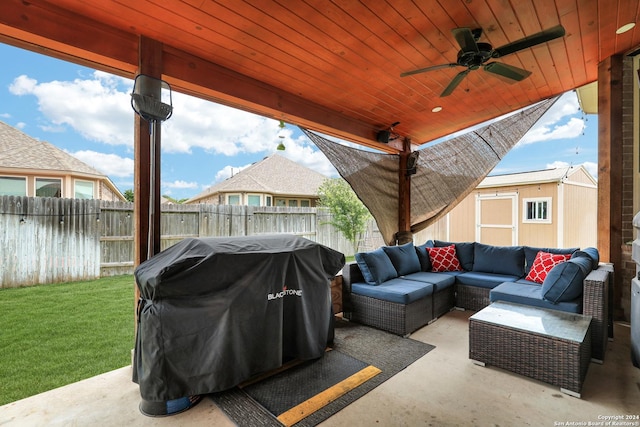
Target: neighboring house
point(548, 208)
point(273, 181)
point(29, 167)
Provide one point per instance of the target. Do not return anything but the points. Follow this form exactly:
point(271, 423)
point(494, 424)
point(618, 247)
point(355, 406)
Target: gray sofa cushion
point(376, 266)
point(423, 255)
point(484, 280)
point(400, 291)
point(507, 260)
point(531, 294)
point(464, 251)
point(404, 258)
point(530, 253)
point(564, 281)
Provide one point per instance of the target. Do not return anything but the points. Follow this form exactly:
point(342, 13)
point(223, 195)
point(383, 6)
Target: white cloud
point(591, 167)
point(21, 125)
point(551, 126)
point(180, 184)
point(95, 107)
point(109, 164)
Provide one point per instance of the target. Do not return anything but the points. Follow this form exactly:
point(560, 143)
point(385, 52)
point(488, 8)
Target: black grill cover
point(215, 311)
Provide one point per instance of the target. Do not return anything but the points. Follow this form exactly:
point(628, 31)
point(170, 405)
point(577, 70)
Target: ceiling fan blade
point(508, 71)
point(454, 83)
point(465, 39)
point(422, 70)
point(529, 41)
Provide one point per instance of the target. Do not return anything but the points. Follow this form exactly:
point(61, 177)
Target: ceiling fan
point(474, 55)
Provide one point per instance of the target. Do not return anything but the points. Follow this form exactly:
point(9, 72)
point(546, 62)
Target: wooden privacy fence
point(49, 240)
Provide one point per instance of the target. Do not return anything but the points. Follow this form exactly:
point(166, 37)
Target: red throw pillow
point(444, 259)
point(543, 264)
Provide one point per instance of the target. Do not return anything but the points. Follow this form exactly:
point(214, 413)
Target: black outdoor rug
point(358, 351)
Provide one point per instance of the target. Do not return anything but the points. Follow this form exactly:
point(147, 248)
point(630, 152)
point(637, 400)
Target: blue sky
point(88, 114)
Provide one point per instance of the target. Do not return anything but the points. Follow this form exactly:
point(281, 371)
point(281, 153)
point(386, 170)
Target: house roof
point(533, 177)
point(20, 151)
point(274, 174)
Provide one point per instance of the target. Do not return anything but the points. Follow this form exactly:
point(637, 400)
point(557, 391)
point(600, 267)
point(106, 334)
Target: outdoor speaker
point(383, 136)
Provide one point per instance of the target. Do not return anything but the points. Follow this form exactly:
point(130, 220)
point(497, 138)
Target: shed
point(546, 208)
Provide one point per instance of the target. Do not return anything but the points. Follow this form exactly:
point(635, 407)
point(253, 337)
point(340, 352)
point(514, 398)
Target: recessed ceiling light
point(436, 109)
point(625, 28)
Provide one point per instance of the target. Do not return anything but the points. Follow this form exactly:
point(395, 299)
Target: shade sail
point(446, 172)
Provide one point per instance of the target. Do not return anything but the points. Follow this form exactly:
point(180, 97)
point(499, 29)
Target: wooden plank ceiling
point(334, 66)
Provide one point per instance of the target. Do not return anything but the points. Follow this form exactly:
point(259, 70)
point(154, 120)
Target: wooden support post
point(610, 168)
point(150, 63)
point(404, 234)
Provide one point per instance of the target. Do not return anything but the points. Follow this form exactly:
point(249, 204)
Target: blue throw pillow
point(591, 253)
point(423, 255)
point(499, 259)
point(376, 266)
point(464, 251)
point(564, 281)
point(404, 258)
point(531, 252)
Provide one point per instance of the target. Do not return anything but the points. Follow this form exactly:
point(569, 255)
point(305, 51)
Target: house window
point(83, 189)
point(293, 203)
point(305, 203)
point(281, 202)
point(537, 210)
point(48, 187)
point(268, 200)
point(233, 199)
point(253, 200)
point(13, 186)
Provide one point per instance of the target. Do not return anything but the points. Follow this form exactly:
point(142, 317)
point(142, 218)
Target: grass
point(53, 335)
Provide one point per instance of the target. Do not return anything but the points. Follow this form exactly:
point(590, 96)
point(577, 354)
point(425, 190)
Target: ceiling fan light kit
point(474, 55)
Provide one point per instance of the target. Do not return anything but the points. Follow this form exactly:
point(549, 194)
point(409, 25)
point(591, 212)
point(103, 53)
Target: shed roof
point(20, 151)
point(533, 177)
point(275, 174)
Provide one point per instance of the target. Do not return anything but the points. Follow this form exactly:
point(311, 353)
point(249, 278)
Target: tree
point(128, 194)
point(348, 213)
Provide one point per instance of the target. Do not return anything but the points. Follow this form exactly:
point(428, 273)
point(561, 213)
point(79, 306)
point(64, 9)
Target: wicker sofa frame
point(404, 319)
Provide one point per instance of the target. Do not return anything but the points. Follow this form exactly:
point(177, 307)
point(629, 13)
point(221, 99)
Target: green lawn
point(53, 335)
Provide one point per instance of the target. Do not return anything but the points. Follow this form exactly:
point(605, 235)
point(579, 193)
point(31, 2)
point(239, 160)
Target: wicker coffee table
point(547, 345)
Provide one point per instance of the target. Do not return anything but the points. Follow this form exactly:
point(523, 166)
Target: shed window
point(537, 210)
point(13, 186)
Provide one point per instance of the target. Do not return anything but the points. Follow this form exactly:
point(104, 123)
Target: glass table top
point(552, 323)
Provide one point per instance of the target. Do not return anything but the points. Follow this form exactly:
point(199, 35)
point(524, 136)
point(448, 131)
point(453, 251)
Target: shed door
point(497, 219)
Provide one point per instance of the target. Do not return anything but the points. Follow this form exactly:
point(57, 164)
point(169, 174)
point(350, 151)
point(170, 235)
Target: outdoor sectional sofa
point(399, 289)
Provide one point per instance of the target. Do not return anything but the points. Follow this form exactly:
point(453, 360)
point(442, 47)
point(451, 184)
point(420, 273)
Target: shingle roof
point(533, 177)
point(274, 174)
point(19, 150)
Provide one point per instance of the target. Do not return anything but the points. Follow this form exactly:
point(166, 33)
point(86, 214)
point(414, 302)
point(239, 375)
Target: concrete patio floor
point(443, 388)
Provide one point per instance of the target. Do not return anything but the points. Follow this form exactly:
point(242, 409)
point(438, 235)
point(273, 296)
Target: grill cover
point(215, 311)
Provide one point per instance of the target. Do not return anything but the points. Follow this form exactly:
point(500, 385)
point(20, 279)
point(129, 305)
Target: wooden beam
point(404, 234)
point(50, 30)
point(610, 167)
point(195, 76)
point(151, 65)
